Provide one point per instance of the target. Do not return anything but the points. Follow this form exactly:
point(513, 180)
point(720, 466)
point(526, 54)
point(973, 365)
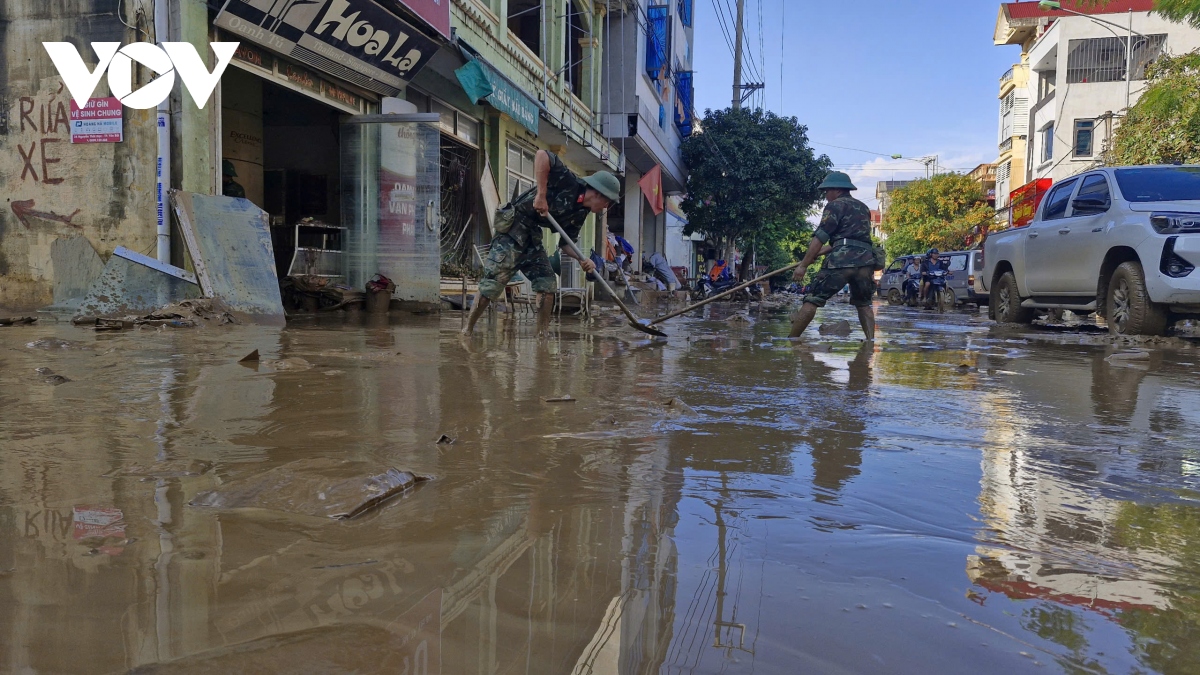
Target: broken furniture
point(318, 250)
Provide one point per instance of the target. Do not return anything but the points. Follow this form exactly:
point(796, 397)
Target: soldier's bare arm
point(541, 174)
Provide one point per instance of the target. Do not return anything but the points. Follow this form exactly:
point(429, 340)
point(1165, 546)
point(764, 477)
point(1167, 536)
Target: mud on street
point(957, 498)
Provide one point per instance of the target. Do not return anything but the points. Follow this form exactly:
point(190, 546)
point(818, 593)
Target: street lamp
point(1049, 5)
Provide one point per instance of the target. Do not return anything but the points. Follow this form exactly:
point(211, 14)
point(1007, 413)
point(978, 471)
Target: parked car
point(1122, 242)
point(964, 265)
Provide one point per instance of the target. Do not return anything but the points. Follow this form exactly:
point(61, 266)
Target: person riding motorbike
point(931, 263)
point(912, 280)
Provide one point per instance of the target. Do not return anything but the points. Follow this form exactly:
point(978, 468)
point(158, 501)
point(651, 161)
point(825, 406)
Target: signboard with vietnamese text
point(1024, 201)
point(102, 120)
point(356, 40)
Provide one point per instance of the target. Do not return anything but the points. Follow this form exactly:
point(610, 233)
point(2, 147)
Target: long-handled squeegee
point(723, 294)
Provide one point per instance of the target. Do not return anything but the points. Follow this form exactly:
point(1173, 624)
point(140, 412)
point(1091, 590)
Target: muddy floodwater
point(956, 498)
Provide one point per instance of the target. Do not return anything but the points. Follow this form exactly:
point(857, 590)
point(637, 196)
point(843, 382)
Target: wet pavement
point(957, 498)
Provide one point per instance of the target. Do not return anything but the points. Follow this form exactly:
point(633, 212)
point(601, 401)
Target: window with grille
point(520, 171)
point(1103, 59)
point(1003, 172)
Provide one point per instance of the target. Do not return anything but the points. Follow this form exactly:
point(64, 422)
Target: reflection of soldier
point(837, 447)
point(230, 187)
point(845, 235)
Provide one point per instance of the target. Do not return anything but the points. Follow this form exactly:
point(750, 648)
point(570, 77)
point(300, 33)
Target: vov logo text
point(167, 60)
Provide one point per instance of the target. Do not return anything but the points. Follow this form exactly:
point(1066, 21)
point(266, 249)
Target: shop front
point(350, 193)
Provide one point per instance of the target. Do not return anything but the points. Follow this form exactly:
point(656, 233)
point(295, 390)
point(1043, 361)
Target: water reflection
point(730, 503)
point(1092, 524)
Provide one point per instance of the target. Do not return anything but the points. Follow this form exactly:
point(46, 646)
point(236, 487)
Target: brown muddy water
point(955, 499)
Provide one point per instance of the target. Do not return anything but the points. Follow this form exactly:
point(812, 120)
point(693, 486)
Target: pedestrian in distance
point(844, 238)
point(517, 245)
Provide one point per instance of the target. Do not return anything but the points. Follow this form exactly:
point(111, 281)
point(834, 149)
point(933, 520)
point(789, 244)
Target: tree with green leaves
point(752, 180)
point(1164, 125)
point(941, 212)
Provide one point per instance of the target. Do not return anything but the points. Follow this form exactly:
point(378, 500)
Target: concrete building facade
point(279, 115)
point(647, 113)
point(1060, 105)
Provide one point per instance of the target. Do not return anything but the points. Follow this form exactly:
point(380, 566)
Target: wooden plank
point(182, 201)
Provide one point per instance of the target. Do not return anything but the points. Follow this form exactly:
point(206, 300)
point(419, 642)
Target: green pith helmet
point(836, 180)
point(606, 184)
point(227, 169)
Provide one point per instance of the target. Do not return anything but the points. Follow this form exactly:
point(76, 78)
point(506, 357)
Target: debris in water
point(560, 399)
point(252, 357)
point(43, 371)
point(837, 329)
point(323, 488)
point(112, 324)
point(741, 318)
point(56, 380)
point(18, 321)
point(85, 320)
point(1129, 356)
point(445, 440)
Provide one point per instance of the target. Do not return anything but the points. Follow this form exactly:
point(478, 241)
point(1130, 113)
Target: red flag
point(651, 185)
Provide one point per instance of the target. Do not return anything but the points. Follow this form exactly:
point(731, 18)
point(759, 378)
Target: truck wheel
point(1006, 301)
point(894, 297)
point(1130, 311)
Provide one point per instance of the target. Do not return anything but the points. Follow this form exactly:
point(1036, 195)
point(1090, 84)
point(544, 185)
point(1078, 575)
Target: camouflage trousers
point(506, 258)
point(830, 281)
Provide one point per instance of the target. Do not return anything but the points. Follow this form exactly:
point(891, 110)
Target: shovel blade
point(645, 327)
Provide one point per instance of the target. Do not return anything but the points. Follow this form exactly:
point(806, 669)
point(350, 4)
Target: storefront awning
point(482, 82)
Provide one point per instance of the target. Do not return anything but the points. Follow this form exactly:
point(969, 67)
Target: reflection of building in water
point(1059, 527)
point(101, 572)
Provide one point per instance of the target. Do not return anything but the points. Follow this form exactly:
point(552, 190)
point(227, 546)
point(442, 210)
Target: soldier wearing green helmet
point(844, 238)
point(229, 186)
point(517, 246)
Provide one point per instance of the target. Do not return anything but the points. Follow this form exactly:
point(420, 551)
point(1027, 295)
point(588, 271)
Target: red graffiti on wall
point(51, 116)
point(24, 211)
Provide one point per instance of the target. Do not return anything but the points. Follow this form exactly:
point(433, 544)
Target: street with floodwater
point(956, 497)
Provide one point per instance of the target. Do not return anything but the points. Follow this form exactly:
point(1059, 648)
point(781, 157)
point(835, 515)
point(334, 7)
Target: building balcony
point(1006, 145)
point(1017, 76)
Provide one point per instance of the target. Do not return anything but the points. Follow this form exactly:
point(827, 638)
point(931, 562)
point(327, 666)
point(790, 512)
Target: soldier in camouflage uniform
point(844, 237)
point(570, 200)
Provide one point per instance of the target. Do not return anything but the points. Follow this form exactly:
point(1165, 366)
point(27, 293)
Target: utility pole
point(737, 55)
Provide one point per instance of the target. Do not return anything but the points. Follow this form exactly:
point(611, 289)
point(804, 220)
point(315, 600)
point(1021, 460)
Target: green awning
point(481, 82)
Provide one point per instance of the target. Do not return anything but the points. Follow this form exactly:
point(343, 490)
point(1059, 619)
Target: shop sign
point(301, 77)
point(255, 57)
point(102, 120)
point(1024, 201)
point(357, 40)
point(435, 12)
point(335, 93)
point(482, 83)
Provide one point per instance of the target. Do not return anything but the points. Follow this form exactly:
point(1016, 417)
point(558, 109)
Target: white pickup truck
point(1121, 242)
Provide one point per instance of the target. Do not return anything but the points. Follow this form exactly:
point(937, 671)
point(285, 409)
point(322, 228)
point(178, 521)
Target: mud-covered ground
point(956, 498)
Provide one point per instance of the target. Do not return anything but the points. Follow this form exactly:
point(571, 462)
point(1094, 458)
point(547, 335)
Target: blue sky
point(913, 77)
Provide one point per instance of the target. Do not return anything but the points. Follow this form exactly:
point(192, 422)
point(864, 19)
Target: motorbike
point(706, 288)
point(912, 291)
point(939, 296)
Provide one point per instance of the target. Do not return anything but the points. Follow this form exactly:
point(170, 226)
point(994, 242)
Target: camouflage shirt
point(846, 218)
point(563, 190)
